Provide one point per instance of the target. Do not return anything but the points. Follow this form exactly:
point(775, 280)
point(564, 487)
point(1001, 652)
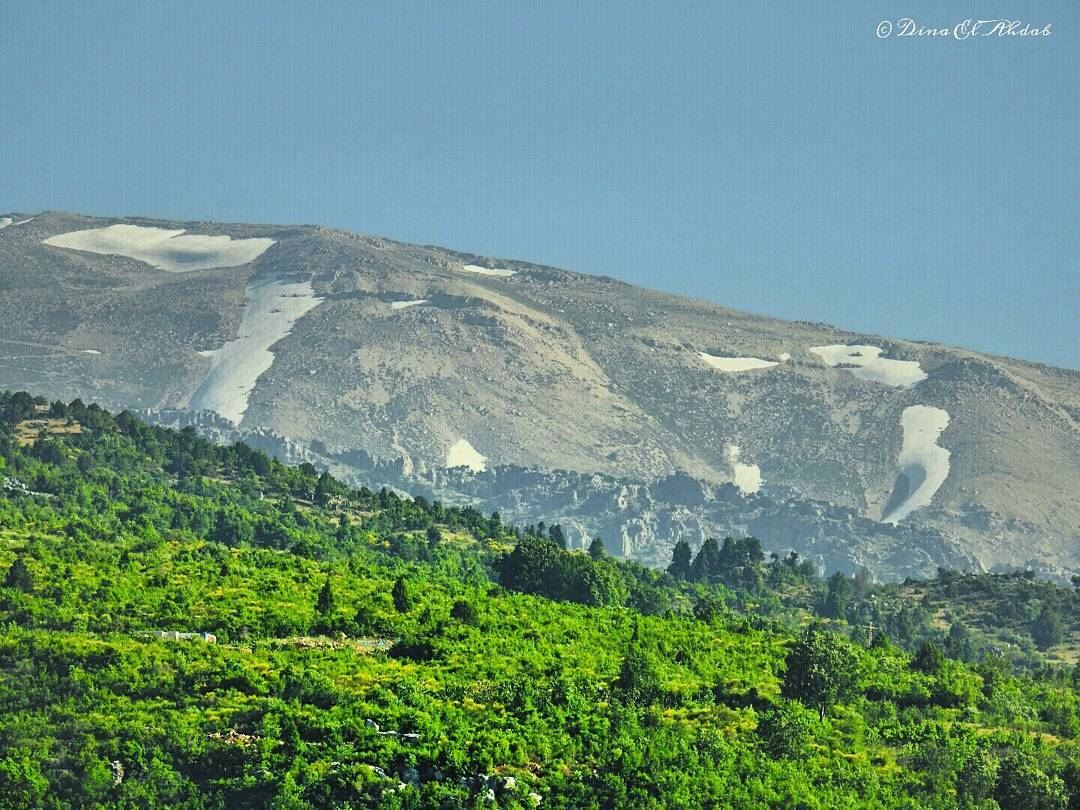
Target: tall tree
point(638, 683)
point(706, 565)
point(680, 561)
point(1047, 629)
point(557, 536)
point(403, 601)
point(820, 670)
point(928, 659)
point(434, 537)
point(19, 576)
point(596, 549)
point(841, 589)
point(324, 489)
point(326, 605)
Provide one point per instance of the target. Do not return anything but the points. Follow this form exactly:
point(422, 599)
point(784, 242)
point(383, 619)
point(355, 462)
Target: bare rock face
point(620, 412)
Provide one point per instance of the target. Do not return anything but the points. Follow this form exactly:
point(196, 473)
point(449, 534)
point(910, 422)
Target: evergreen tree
point(324, 489)
point(841, 589)
point(464, 612)
point(706, 565)
point(638, 683)
point(928, 659)
point(1047, 631)
point(557, 536)
point(403, 601)
point(19, 576)
point(680, 567)
point(958, 643)
point(325, 607)
point(596, 549)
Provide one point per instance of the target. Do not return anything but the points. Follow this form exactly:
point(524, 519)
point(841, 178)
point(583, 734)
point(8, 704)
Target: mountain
point(627, 412)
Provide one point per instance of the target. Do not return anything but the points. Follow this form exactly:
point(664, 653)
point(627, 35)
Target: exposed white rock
point(747, 476)
point(865, 362)
point(273, 308)
point(501, 272)
point(90, 351)
point(407, 304)
point(924, 465)
point(785, 356)
point(164, 249)
point(731, 364)
point(463, 454)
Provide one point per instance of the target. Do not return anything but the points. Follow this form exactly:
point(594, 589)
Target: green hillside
point(369, 650)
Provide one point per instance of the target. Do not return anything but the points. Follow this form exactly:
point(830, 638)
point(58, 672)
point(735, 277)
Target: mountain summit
point(551, 394)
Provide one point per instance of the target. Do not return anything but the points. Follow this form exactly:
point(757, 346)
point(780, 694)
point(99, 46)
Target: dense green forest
point(352, 648)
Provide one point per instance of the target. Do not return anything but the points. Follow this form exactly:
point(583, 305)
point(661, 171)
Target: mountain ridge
point(411, 350)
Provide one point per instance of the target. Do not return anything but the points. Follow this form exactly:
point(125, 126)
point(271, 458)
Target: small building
point(176, 635)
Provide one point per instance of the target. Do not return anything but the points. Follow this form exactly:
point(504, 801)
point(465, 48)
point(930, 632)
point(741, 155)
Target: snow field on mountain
point(273, 308)
point(500, 272)
point(923, 462)
point(866, 363)
point(167, 250)
point(463, 454)
point(733, 364)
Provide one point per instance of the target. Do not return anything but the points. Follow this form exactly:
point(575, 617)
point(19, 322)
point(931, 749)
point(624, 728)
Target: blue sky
point(764, 156)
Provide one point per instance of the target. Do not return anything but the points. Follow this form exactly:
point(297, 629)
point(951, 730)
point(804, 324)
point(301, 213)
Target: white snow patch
point(923, 463)
point(273, 308)
point(463, 454)
point(164, 249)
point(90, 351)
point(736, 363)
point(869, 365)
point(747, 476)
point(4, 222)
point(407, 304)
point(501, 272)
point(23, 221)
point(785, 356)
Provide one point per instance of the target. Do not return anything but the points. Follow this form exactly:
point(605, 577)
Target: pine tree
point(434, 537)
point(557, 536)
point(325, 605)
point(706, 565)
point(1047, 629)
point(402, 599)
point(596, 549)
point(680, 561)
point(19, 576)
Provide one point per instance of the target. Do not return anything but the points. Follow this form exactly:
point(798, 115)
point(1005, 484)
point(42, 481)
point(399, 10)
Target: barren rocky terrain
point(619, 411)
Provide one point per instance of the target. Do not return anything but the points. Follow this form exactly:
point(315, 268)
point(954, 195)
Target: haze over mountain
point(616, 410)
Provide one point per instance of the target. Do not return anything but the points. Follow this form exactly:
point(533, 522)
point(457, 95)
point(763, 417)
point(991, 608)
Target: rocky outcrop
point(638, 520)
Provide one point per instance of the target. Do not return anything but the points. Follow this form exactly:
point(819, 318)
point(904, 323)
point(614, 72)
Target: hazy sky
point(764, 156)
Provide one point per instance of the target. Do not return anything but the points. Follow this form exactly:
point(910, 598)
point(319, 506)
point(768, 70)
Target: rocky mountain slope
point(614, 409)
